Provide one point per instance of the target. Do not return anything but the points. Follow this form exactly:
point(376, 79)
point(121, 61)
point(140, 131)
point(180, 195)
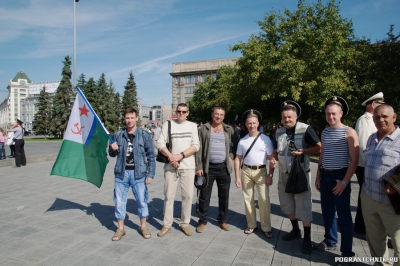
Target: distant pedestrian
point(156, 135)
point(3, 142)
point(19, 143)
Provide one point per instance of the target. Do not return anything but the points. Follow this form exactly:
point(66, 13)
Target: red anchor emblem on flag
point(78, 128)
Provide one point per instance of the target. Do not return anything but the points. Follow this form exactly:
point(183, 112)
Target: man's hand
point(299, 152)
point(238, 183)
point(338, 189)
point(317, 183)
point(389, 189)
point(114, 146)
point(272, 163)
point(149, 180)
point(199, 172)
point(268, 180)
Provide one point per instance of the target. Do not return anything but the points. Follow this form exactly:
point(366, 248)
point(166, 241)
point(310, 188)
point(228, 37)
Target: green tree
point(91, 93)
point(214, 93)
point(81, 82)
point(62, 101)
point(111, 109)
point(43, 116)
point(307, 55)
point(130, 96)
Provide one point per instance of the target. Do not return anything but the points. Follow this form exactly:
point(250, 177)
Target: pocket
point(390, 158)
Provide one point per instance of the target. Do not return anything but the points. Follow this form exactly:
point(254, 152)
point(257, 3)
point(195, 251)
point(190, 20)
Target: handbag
point(160, 156)
point(297, 181)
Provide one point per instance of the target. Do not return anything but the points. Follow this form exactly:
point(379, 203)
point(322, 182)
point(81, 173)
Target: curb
point(29, 160)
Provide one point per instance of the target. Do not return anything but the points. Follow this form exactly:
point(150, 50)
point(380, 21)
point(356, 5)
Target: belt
point(255, 167)
point(335, 171)
point(217, 163)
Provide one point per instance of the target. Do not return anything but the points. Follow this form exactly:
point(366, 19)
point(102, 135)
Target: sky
point(146, 37)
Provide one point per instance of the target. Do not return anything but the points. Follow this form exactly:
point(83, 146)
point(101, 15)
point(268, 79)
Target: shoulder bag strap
point(247, 152)
point(169, 136)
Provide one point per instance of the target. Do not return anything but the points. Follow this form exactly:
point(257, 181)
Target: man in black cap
point(364, 127)
point(337, 163)
point(255, 149)
point(295, 139)
point(215, 158)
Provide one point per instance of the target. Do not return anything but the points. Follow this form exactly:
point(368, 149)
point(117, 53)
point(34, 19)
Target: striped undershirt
point(217, 147)
point(336, 150)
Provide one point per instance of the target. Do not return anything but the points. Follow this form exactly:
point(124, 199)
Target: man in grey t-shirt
point(215, 158)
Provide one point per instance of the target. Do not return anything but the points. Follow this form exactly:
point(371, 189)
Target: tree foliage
point(62, 101)
point(43, 115)
point(130, 96)
point(305, 55)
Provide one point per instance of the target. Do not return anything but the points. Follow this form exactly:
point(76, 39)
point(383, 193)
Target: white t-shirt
point(260, 151)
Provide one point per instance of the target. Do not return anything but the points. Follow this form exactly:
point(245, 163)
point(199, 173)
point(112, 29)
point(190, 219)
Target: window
point(178, 100)
point(178, 90)
point(190, 89)
point(178, 80)
point(203, 78)
point(187, 99)
point(214, 75)
point(190, 79)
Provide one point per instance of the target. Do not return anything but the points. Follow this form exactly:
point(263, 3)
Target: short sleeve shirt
point(260, 151)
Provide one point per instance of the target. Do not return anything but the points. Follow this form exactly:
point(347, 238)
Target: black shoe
point(292, 235)
point(307, 248)
point(323, 246)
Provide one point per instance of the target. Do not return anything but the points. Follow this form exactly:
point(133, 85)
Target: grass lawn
point(41, 139)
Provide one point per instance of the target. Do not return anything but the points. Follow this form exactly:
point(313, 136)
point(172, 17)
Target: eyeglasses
point(181, 112)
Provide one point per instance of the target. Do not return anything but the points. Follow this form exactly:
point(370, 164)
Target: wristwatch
point(270, 175)
point(183, 155)
point(344, 183)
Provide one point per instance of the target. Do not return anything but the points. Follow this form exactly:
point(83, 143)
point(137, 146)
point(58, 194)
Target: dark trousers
point(20, 152)
point(12, 150)
point(218, 173)
point(359, 225)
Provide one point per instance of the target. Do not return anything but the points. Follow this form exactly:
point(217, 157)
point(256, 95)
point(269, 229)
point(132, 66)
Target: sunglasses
point(181, 112)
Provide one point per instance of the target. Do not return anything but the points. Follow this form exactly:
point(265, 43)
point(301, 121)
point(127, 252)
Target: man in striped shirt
point(337, 163)
point(382, 156)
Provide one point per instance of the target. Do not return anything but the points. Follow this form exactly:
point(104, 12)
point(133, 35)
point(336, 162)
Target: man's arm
point(238, 180)
point(318, 176)
point(199, 155)
point(113, 148)
point(354, 149)
point(149, 150)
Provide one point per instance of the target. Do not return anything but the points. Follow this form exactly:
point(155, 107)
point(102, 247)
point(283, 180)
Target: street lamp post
point(74, 76)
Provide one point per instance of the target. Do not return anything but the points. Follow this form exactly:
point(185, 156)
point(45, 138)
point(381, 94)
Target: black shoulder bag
point(247, 152)
point(160, 156)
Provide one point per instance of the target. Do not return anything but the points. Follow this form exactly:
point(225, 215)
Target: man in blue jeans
point(337, 163)
point(132, 169)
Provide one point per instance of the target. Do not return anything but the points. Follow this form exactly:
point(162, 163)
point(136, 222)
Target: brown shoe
point(224, 226)
point(201, 228)
point(186, 230)
point(163, 231)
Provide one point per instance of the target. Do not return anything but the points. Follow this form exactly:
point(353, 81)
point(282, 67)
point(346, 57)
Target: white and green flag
point(83, 153)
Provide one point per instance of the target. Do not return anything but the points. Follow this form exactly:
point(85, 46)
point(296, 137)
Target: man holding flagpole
point(132, 169)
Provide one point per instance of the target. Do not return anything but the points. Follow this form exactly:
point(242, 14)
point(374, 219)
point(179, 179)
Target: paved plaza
point(51, 220)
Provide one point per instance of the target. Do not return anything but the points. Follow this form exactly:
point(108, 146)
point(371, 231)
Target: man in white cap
point(364, 127)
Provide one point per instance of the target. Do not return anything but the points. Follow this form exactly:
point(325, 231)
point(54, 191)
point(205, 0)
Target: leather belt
point(335, 171)
point(255, 167)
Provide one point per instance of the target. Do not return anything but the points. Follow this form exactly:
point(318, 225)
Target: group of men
point(214, 148)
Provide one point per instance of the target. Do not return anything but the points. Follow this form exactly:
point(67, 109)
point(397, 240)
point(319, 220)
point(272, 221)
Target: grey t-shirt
point(18, 133)
point(217, 147)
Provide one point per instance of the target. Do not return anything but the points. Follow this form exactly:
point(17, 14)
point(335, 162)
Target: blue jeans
point(139, 189)
point(332, 204)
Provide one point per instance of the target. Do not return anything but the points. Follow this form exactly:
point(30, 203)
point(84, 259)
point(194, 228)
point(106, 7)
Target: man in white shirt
point(365, 127)
point(254, 173)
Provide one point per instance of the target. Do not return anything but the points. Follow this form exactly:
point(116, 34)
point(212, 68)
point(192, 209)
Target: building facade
point(187, 75)
point(10, 108)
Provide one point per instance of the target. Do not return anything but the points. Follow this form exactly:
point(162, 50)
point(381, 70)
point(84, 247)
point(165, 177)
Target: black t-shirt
point(130, 159)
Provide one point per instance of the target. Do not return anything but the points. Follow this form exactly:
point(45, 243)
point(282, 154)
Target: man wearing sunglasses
point(181, 166)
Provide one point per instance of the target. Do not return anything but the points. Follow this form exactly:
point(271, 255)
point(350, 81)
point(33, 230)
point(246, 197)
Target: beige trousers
point(187, 189)
point(251, 180)
point(380, 220)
